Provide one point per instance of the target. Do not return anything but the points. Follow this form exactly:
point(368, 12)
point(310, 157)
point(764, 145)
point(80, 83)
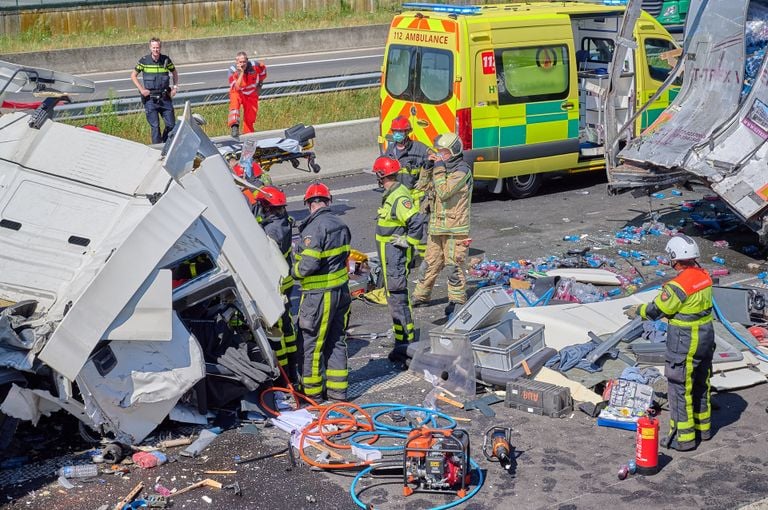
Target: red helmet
point(271, 196)
point(384, 166)
point(92, 127)
point(400, 123)
point(255, 168)
point(317, 190)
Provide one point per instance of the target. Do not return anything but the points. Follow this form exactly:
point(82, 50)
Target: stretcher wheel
point(294, 163)
point(314, 166)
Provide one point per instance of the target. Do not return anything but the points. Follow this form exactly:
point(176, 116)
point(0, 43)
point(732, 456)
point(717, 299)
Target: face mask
point(398, 136)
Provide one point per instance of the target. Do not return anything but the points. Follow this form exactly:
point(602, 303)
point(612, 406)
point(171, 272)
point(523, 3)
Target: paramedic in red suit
point(245, 80)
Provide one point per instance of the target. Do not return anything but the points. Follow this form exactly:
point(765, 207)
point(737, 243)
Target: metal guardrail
point(74, 111)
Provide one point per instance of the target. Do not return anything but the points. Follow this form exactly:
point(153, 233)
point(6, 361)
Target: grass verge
point(278, 113)
point(40, 37)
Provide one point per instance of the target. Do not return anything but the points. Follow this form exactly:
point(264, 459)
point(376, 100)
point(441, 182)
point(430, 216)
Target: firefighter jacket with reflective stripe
point(278, 228)
point(398, 216)
point(412, 158)
point(322, 251)
point(155, 74)
point(254, 74)
point(452, 182)
point(686, 299)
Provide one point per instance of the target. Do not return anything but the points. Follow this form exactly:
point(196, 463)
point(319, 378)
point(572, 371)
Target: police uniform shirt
point(155, 74)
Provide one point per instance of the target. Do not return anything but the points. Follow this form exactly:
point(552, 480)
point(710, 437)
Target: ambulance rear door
point(420, 76)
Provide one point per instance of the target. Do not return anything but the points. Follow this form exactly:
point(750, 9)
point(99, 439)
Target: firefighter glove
point(632, 311)
point(400, 241)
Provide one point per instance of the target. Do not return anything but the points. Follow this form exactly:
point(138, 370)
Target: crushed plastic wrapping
point(453, 369)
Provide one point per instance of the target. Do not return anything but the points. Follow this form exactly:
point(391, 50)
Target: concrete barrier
point(342, 148)
point(111, 58)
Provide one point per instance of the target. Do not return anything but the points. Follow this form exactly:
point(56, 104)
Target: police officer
point(448, 240)
point(321, 268)
point(157, 92)
point(398, 231)
point(278, 227)
point(686, 301)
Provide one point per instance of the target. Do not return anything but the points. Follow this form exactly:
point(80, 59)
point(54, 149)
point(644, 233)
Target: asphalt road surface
point(567, 463)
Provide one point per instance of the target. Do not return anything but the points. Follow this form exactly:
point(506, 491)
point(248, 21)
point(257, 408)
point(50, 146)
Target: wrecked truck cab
point(97, 231)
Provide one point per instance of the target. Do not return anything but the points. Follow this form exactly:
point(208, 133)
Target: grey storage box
point(540, 398)
point(485, 309)
point(505, 345)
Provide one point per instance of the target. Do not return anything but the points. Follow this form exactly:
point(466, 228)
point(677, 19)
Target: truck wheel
point(522, 186)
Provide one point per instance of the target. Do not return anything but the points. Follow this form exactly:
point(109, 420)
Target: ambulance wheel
point(522, 186)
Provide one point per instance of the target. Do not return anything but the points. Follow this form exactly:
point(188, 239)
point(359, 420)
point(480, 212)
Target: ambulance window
point(420, 74)
point(597, 50)
point(435, 76)
point(658, 67)
point(398, 70)
point(532, 74)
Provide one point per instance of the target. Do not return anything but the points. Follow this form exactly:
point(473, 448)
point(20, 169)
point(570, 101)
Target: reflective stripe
point(321, 334)
point(337, 385)
point(312, 379)
point(309, 252)
point(325, 281)
point(336, 373)
point(691, 324)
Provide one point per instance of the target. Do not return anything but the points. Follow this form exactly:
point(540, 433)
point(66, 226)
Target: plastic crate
point(485, 308)
point(507, 344)
point(540, 398)
point(443, 341)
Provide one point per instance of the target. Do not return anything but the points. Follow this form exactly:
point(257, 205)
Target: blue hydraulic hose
point(757, 352)
point(353, 440)
point(470, 494)
point(432, 416)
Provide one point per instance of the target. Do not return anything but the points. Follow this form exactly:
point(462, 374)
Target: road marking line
point(337, 193)
point(269, 66)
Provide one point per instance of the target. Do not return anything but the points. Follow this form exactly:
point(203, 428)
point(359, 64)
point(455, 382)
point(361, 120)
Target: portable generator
point(436, 460)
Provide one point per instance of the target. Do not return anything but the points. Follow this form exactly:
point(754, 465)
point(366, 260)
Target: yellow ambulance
point(522, 84)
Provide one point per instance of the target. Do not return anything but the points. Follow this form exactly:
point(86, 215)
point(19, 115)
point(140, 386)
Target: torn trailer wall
point(96, 229)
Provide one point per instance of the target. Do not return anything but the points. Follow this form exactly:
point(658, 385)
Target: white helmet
point(450, 141)
point(682, 247)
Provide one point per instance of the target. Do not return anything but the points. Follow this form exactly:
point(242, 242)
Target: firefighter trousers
point(287, 353)
point(250, 105)
point(688, 369)
point(395, 262)
point(323, 318)
point(444, 251)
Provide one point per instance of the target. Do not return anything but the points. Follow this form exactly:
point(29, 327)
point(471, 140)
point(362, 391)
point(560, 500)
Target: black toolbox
point(540, 398)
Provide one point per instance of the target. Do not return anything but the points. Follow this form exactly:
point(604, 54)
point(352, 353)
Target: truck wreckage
point(130, 281)
point(715, 130)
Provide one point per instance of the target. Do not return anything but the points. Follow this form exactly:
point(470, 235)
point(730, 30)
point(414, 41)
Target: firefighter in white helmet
point(448, 241)
point(686, 301)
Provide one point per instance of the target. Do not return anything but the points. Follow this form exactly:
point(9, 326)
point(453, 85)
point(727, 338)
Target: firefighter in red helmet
point(398, 232)
point(278, 227)
point(321, 268)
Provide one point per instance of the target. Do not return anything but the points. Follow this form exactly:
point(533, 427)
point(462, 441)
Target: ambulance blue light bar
point(450, 9)
point(615, 2)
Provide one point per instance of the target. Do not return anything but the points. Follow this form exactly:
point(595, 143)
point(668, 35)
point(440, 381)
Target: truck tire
point(522, 186)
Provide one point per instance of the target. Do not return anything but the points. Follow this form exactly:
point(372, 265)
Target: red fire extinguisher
point(647, 444)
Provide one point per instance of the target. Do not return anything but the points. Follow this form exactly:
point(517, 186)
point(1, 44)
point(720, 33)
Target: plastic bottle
point(81, 471)
point(650, 262)
point(722, 271)
point(623, 253)
point(614, 292)
point(677, 193)
point(147, 460)
point(762, 276)
point(571, 238)
point(658, 195)
point(661, 273)
point(718, 260)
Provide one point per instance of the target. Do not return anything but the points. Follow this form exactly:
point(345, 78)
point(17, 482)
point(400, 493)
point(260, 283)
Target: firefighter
point(321, 268)
point(398, 232)
point(412, 156)
point(415, 171)
point(278, 227)
point(686, 301)
point(246, 78)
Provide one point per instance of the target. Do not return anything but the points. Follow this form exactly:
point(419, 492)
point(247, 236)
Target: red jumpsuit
point(245, 93)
